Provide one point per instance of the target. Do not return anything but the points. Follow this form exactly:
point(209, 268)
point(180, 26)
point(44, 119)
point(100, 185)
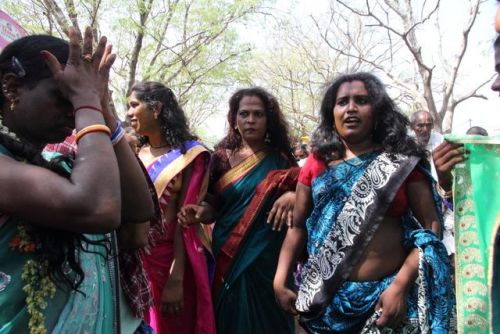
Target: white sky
point(477, 64)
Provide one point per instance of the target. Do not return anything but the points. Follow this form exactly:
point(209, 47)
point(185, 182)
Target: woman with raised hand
point(250, 198)
point(178, 261)
point(57, 269)
point(368, 215)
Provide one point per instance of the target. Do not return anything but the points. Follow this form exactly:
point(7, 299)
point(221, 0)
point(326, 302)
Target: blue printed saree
point(350, 200)
point(245, 247)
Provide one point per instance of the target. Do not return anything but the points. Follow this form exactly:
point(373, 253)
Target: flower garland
point(38, 285)
point(6, 131)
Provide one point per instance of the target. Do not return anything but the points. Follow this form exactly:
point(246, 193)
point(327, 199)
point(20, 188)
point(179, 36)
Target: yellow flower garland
point(38, 286)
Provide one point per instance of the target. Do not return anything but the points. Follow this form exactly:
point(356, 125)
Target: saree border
point(175, 166)
point(240, 170)
point(356, 225)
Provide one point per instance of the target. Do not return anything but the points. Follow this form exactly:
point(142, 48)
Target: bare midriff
point(384, 254)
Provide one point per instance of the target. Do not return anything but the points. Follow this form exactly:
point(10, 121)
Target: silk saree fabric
point(245, 247)
point(476, 199)
point(350, 200)
point(197, 316)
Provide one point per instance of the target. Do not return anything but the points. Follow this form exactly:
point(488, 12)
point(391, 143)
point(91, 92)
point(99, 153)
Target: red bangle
point(87, 107)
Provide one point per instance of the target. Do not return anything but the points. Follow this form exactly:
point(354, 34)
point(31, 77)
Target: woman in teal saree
point(57, 269)
point(250, 176)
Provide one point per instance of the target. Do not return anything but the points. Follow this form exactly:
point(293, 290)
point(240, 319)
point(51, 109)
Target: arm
point(295, 240)
point(393, 299)
point(84, 203)
point(137, 205)
point(173, 294)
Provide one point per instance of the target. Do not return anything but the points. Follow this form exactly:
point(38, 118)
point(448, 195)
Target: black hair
point(173, 122)
point(277, 127)
point(477, 130)
point(57, 247)
point(390, 126)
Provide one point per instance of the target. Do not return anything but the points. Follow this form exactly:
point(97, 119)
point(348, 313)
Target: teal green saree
point(245, 247)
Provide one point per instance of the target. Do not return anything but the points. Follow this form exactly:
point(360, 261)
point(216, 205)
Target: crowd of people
point(144, 229)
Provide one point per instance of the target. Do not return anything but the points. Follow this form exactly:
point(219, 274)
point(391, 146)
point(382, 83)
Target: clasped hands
point(280, 214)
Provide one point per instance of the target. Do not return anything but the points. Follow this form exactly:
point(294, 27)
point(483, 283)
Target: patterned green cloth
point(476, 199)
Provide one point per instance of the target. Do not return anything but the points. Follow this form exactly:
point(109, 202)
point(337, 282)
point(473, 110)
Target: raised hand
point(445, 157)
point(79, 78)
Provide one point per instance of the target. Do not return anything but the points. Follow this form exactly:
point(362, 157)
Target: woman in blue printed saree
point(375, 262)
point(250, 176)
point(178, 261)
point(57, 270)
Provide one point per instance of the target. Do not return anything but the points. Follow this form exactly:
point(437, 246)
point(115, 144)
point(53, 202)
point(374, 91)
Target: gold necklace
point(158, 146)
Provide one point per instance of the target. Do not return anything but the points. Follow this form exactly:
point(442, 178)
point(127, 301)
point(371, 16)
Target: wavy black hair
point(277, 127)
point(390, 126)
point(59, 248)
point(173, 122)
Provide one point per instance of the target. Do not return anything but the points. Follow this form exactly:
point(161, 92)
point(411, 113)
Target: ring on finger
point(87, 58)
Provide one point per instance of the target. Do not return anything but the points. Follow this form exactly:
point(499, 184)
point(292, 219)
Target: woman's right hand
point(192, 214)
point(445, 157)
point(79, 79)
point(286, 299)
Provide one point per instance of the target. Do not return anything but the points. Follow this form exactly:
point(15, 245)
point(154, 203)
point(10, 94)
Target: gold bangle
point(92, 128)
point(443, 193)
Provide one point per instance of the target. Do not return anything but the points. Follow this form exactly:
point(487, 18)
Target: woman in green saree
point(57, 269)
point(250, 176)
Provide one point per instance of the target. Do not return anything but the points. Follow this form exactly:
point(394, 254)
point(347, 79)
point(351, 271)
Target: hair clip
point(18, 67)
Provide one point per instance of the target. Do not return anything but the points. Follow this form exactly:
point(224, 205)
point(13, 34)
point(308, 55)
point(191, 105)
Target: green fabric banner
point(476, 197)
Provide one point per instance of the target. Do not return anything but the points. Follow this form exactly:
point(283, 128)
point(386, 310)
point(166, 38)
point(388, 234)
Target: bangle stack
point(117, 134)
point(443, 193)
point(92, 128)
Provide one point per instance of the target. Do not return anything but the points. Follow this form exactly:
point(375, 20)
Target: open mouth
point(352, 120)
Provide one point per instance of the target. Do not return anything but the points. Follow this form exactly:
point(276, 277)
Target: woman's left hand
point(393, 304)
point(282, 211)
point(172, 298)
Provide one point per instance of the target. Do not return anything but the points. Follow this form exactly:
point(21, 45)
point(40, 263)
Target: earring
point(12, 104)
point(268, 138)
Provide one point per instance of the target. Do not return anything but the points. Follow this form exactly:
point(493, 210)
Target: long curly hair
point(57, 247)
point(173, 122)
point(390, 128)
point(277, 127)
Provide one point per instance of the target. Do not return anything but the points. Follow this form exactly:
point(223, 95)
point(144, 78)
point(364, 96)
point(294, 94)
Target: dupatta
point(476, 200)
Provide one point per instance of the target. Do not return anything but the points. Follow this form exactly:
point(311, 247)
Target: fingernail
point(44, 55)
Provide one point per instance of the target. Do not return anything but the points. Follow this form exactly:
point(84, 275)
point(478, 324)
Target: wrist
point(91, 99)
point(279, 283)
point(401, 285)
